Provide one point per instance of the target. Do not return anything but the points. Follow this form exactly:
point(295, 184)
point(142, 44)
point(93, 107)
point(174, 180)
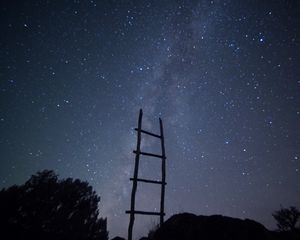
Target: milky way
point(223, 76)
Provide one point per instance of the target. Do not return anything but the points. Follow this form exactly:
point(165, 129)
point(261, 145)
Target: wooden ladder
point(135, 178)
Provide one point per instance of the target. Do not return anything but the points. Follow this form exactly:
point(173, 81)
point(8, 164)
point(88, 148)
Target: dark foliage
point(192, 227)
point(287, 235)
point(287, 218)
point(48, 208)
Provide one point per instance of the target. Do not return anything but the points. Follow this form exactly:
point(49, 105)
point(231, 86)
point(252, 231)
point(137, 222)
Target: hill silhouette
point(216, 227)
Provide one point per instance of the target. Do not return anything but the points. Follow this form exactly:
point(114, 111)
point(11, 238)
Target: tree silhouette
point(48, 208)
point(287, 218)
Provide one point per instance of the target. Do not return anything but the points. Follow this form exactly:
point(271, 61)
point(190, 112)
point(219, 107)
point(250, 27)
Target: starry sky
point(223, 76)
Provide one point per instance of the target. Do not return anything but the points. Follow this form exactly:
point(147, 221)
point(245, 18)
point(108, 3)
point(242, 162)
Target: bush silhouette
point(287, 218)
point(48, 208)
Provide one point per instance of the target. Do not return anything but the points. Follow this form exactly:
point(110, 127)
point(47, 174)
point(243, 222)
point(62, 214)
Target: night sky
point(223, 75)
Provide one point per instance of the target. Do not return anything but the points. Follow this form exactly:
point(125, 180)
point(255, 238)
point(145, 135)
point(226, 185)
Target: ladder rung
point(149, 133)
point(147, 181)
point(149, 154)
point(146, 213)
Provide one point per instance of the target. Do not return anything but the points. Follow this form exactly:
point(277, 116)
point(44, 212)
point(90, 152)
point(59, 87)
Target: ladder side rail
point(135, 176)
point(163, 173)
